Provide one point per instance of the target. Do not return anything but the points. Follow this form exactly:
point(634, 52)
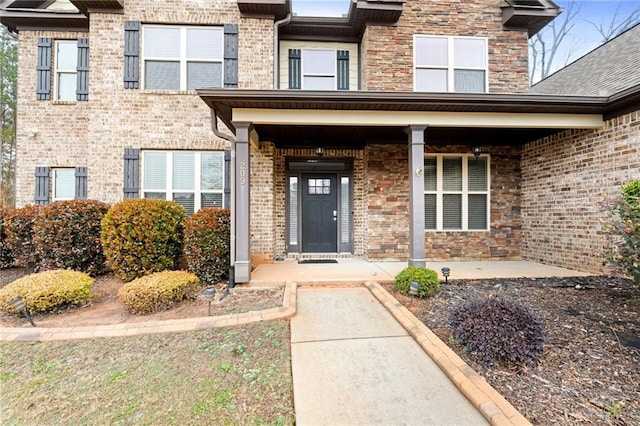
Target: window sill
point(169, 92)
point(64, 102)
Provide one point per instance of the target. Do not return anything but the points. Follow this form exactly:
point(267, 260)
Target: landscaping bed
point(589, 372)
point(107, 309)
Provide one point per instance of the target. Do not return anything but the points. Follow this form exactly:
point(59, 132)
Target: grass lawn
point(238, 375)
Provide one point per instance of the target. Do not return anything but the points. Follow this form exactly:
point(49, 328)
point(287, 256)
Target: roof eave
point(623, 102)
point(88, 6)
point(529, 19)
point(224, 100)
point(37, 19)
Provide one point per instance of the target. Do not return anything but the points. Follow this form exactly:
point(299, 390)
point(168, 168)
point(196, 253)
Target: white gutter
point(276, 49)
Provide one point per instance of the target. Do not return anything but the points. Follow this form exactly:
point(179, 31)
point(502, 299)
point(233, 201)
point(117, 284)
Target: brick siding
point(387, 51)
point(568, 179)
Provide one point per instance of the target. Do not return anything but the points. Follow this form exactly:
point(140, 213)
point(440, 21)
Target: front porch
point(359, 270)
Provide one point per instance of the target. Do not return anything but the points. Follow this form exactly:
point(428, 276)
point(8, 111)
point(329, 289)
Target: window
point(456, 192)
point(182, 58)
point(64, 183)
point(194, 180)
point(450, 64)
point(318, 69)
point(66, 69)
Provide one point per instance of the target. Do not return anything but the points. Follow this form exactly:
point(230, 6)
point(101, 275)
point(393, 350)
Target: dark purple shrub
point(498, 331)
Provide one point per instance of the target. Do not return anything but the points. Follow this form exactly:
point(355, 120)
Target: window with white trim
point(456, 193)
point(450, 64)
point(66, 60)
point(64, 183)
point(182, 58)
point(319, 69)
point(193, 179)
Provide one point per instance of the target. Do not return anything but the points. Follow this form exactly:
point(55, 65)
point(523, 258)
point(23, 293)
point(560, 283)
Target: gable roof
point(608, 69)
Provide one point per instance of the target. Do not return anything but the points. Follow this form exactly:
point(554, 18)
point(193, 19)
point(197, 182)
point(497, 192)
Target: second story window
point(450, 64)
point(66, 60)
point(318, 65)
point(318, 69)
point(182, 58)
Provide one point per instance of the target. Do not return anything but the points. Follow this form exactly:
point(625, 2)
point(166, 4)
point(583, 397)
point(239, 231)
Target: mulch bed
point(589, 372)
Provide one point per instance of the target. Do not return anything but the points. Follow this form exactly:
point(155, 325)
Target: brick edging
point(43, 334)
point(492, 405)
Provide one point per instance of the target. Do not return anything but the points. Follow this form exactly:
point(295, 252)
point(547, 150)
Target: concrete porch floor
point(350, 270)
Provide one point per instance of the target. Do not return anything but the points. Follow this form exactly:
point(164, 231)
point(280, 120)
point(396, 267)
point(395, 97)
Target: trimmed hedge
point(159, 291)
point(19, 237)
point(49, 291)
point(499, 330)
point(142, 236)
point(6, 255)
point(206, 244)
point(67, 236)
point(427, 278)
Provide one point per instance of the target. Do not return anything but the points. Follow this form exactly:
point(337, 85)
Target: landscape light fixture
point(445, 273)
point(209, 293)
point(19, 305)
point(477, 151)
point(413, 289)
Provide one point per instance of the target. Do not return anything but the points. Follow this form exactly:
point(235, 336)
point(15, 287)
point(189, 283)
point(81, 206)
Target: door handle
point(335, 215)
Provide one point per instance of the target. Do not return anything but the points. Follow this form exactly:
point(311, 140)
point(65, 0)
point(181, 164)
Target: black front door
point(319, 213)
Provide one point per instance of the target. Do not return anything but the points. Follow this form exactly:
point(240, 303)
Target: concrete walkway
point(354, 364)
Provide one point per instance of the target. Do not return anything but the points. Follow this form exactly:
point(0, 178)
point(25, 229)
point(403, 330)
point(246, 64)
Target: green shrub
point(206, 244)
point(67, 236)
point(49, 291)
point(6, 255)
point(142, 236)
point(427, 278)
point(19, 237)
point(159, 291)
point(624, 253)
point(498, 330)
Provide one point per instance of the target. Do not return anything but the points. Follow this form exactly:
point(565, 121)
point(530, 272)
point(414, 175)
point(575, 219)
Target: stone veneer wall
point(386, 54)
point(388, 211)
point(95, 133)
point(567, 181)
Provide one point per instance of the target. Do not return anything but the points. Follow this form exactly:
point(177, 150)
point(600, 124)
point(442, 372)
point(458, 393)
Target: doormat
point(317, 261)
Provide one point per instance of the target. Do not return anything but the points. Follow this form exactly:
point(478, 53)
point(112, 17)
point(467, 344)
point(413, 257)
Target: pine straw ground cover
point(238, 375)
point(589, 372)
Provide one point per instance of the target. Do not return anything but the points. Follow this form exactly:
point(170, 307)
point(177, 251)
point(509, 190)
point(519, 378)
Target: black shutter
point(43, 70)
point(131, 186)
point(81, 182)
point(42, 186)
point(82, 90)
point(343, 69)
point(295, 69)
point(226, 202)
point(131, 54)
point(230, 64)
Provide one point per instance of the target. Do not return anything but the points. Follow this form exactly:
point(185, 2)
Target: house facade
point(403, 131)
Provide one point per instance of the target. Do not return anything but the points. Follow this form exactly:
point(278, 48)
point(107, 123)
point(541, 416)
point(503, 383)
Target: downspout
point(276, 49)
point(232, 178)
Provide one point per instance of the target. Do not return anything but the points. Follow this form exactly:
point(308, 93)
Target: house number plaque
point(243, 173)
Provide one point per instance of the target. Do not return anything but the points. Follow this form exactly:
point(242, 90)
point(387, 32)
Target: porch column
point(417, 255)
point(242, 203)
